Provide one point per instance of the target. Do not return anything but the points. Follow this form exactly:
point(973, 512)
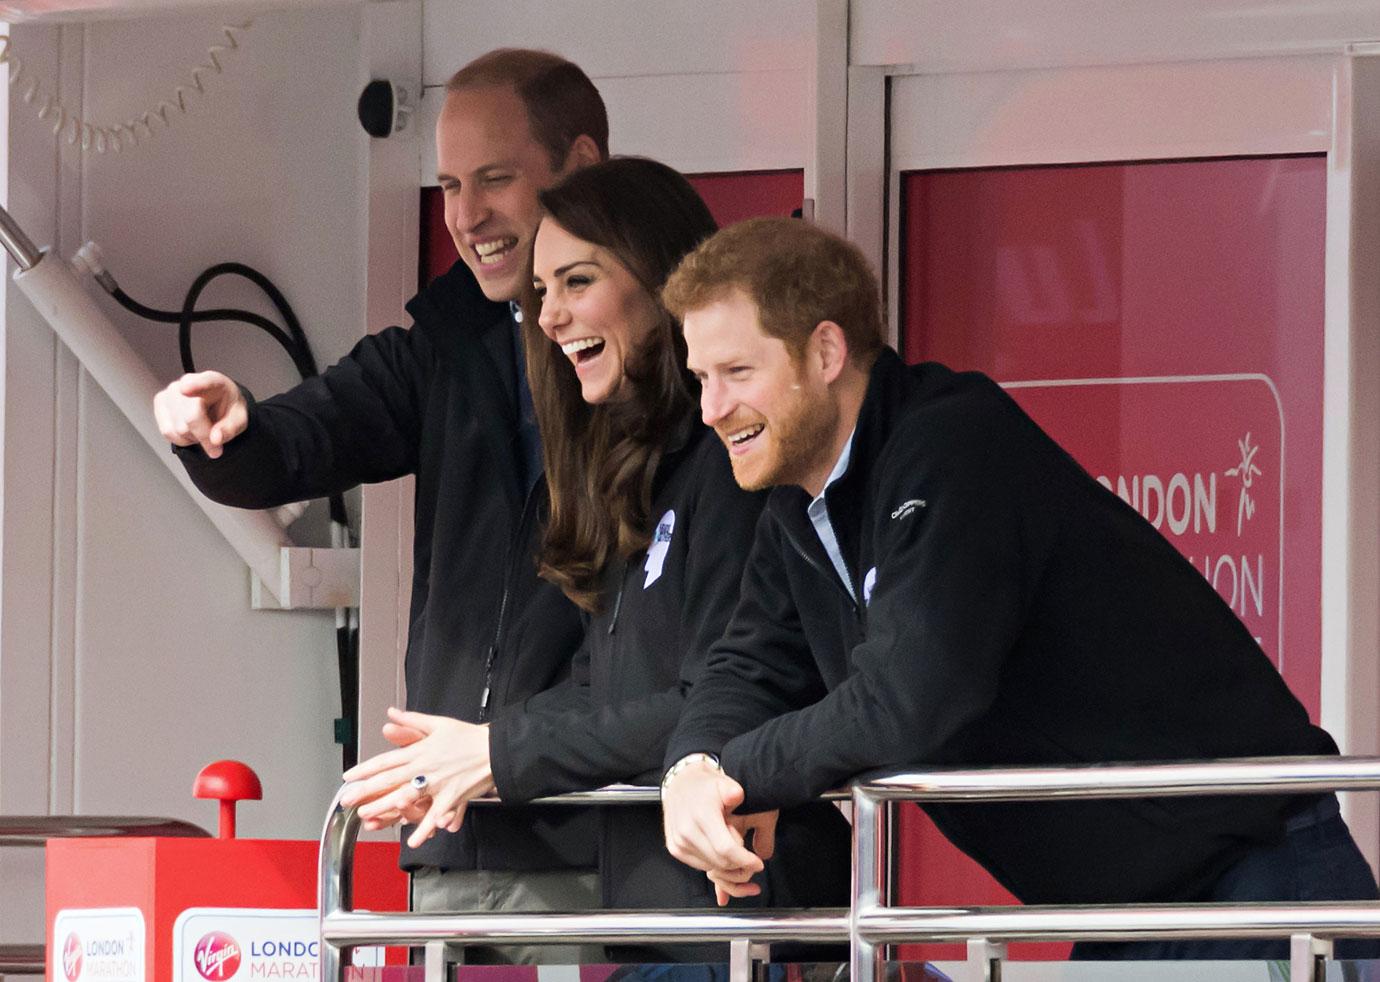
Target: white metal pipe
point(64, 303)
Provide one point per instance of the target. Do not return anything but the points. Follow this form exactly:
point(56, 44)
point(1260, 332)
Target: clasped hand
point(452, 755)
point(702, 830)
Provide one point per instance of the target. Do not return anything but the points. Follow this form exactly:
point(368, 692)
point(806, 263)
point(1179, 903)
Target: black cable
point(301, 356)
point(219, 314)
point(294, 342)
point(347, 658)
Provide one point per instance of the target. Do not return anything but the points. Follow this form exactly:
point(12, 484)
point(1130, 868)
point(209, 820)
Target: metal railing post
point(984, 960)
point(435, 962)
point(1308, 958)
point(335, 881)
point(870, 877)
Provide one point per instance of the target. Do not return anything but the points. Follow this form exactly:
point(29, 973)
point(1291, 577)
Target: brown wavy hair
point(601, 460)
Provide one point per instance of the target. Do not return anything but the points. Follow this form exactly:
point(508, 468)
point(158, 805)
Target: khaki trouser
point(490, 891)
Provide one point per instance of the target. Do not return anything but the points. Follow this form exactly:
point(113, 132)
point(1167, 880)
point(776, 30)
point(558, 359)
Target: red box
point(162, 877)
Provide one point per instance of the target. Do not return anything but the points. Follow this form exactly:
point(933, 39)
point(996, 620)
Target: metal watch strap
point(685, 762)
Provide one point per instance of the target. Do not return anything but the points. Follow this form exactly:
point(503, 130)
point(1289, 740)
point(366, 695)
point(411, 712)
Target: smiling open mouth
point(745, 436)
point(495, 250)
point(584, 349)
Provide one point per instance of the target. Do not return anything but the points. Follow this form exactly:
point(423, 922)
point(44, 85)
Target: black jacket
point(640, 658)
point(1019, 613)
point(438, 401)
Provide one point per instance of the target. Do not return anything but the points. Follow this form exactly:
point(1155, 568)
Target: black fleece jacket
point(438, 401)
point(641, 656)
point(1015, 612)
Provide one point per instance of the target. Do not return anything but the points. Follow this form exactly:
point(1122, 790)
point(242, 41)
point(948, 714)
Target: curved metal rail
point(870, 924)
point(35, 830)
point(343, 928)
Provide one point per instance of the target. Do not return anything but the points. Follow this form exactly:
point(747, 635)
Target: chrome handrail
point(871, 924)
point(343, 928)
point(1310, 926)
point(36, 830)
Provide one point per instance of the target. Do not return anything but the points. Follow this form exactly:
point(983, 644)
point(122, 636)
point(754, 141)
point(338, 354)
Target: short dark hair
point(796, 274)
point(562, 103)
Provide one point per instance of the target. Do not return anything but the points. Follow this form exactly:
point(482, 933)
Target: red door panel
point(1164, 322)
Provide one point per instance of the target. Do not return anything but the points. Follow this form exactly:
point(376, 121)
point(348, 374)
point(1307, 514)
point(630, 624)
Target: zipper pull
point(618, 602)
point(488, 682)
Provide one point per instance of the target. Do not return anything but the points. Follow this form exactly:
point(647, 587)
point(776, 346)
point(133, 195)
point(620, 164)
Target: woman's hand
point(451, 755)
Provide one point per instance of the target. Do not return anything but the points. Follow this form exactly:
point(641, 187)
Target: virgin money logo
point(71, 957)
point(217, 956)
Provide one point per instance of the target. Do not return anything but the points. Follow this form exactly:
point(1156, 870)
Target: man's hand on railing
point(439, 766)
point(702, 831)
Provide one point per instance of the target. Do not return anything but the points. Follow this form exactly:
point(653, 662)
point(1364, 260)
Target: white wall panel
point(719, 86)
point(173, 670)
point(625, 37)
point(129, 656)
point(978, 35)
point(695, 123)
point(267, 169)
point(1120, 112)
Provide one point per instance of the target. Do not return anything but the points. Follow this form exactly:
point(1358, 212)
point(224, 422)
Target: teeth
point(570, 347)
point(493, 250)
point(742, 436)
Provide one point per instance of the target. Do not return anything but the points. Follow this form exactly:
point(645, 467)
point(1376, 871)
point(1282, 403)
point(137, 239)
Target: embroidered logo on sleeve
point(869, 581)
point(656, 552)
point(907, 507)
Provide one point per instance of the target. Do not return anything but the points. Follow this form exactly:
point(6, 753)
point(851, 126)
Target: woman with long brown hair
point(646, 531)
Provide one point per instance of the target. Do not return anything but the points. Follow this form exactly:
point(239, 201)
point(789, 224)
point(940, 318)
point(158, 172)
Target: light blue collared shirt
point(819, 517)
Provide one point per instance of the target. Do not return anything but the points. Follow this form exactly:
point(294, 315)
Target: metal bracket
point(312, 579)
point(1308, 957)
point(984, 960)
point(747, 960)
point(435, 970)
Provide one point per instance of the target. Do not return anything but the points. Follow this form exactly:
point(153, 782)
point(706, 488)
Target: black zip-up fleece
point(641, 656)
point(438, 401)
point(1016, 612)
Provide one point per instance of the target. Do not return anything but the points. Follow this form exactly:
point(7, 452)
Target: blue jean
point(1316, 860)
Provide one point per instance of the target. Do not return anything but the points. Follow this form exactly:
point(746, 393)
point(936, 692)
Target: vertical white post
point(825, 177)
point(392, 49)
point(1351, 438)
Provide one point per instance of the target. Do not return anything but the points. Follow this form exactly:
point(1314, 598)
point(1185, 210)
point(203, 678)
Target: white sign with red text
point(213, 944)
point(98, 945)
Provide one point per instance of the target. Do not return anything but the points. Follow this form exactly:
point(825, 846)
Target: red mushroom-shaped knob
point(228, 781)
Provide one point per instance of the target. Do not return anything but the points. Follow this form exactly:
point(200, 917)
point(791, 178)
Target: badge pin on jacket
point(656, 552)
